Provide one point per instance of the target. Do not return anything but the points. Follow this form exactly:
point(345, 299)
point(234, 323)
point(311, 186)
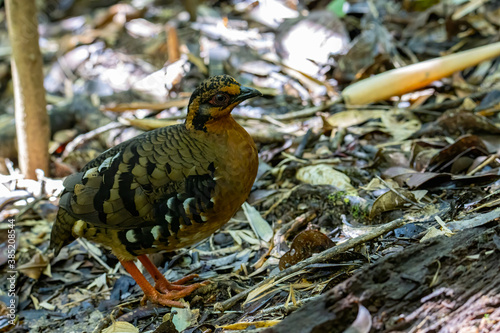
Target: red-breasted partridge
point(165, 189)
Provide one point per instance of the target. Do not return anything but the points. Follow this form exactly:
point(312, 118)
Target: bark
point(32, 121)
point(191, 7)
point(443, 285)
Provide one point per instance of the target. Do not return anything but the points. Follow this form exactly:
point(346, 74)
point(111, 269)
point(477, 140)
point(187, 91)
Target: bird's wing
point(158, 176)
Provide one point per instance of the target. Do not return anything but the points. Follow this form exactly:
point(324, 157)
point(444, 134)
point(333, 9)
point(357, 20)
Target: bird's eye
point(220, 99)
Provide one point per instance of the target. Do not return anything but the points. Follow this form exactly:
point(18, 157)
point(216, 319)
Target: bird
point(165, 189)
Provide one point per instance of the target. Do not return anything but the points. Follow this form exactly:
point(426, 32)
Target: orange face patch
point(232, 89)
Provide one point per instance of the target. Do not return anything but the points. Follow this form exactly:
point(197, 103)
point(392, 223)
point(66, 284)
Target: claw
point(170, 294)
point(164, 286)
point(164, 292)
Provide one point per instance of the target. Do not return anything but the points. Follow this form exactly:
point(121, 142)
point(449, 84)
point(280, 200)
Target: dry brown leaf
point(34, 267)
point(322, 174)
point(304, 245)
point(390, 201)
point(121, 327)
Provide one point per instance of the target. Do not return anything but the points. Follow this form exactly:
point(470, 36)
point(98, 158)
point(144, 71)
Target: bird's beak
point(246, 93)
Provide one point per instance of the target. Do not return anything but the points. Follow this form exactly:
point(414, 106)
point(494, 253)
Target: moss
point(356, 210)
point(336, 196)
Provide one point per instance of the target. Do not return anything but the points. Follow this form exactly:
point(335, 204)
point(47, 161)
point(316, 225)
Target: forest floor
point(378, 216)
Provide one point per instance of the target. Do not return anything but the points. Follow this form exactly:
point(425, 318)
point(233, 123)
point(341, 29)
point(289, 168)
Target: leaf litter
point(342, 183)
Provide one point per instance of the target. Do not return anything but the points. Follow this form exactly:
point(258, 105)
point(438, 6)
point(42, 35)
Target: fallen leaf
point(260, 226)
point(353, 117)
point(431, 233)
point(304, 245)
point(98, 283)
point(362, 323)
point(390, 201)
point(185, 317)
point(322, 174)
point(121, 327)
point(472, 145)
point(34, 267)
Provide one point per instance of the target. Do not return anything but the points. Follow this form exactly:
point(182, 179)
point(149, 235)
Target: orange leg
point(166, 299)
point(161, 284)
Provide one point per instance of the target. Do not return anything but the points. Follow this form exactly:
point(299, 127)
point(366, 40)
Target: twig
point(145, 105)
point(304, 113)
point(29, 205)
point(93, 255)
point(106, 321)
point(303, 143)
point(13, 197)
point(80, 139)
point(143, 312)
point(487, 161)
point(409, 78)
point(439, 167)
point(365, 107)
point(78, 301)
point(325, 255)
point(448, 104)
point(283, 197)
point(288, 308)
point(296, 223)
point(243, 117)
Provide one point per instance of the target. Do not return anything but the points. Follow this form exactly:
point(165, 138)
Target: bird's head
point(214, 99)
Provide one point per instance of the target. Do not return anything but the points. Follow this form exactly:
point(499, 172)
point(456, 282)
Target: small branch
point(82, 138)
point(304, 113)
point(325, 255)
point(83, 242)
point(288, 308)
point(487, 161)
point(448, 104)
point(123, 107)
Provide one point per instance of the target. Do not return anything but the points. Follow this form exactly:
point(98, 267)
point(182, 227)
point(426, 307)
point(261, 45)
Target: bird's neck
point(222, 125)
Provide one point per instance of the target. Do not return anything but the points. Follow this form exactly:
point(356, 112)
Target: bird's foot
point(164, 292)
point(173, 292)
point(163, 286)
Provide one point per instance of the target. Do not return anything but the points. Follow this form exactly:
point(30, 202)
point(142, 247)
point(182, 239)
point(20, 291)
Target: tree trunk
point(32, 121)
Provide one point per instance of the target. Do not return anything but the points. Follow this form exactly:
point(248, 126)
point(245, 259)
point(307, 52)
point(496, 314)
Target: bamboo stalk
point(409, 78)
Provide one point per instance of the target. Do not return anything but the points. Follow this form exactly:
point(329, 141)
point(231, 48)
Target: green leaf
point(337, 7)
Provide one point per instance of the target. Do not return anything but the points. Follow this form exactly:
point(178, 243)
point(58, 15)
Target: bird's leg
point(161, 283)
point(150, 293)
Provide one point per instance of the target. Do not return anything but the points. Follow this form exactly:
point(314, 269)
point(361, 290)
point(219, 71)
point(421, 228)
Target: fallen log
point(447, 284)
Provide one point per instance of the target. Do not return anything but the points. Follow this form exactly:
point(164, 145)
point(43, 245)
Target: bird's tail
point(61, 231)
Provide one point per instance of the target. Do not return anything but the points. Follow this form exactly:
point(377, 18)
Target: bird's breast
point(235, 161)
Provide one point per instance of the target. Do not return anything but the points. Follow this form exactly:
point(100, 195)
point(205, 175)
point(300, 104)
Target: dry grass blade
point(122, 107)
point(304, 113)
